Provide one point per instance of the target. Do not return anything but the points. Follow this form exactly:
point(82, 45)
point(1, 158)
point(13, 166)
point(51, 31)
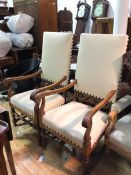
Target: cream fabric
point(120, 138)
point(22, 101)
point(66, 120)
point(121, 104)
point(56, 54)
point(99, 63)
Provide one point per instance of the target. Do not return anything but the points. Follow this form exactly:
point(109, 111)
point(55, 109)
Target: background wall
point(72, 6)
point(10, 3)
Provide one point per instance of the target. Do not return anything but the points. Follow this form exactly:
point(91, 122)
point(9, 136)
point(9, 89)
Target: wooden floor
point(28, 157)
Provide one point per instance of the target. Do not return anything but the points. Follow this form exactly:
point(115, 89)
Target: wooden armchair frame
point(48, 130)
point(46, 134)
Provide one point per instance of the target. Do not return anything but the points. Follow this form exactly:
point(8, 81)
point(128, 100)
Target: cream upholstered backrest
point(99, 63)
point(56, 54)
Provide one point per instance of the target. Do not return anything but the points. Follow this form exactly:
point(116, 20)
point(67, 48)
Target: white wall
point(10, 3)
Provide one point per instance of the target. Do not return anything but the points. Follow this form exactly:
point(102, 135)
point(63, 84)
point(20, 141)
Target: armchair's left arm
point(42, 89)
point(8, 81)
point(44, 93)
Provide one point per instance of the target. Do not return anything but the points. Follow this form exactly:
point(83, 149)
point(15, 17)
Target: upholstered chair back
point(56, 54)
point(99, 63)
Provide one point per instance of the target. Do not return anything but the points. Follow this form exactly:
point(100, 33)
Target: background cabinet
point(44, 13)
point(105, 25)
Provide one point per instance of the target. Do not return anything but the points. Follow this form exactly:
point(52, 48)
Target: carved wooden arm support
point(87, 121)
point(116, 108)
point(41, 94)
point(33, 94)
point(8, 81)
point(112, 122)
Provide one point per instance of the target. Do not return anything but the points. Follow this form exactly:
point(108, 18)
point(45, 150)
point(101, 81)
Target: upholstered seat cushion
point(23, 103)
point(120, 138)
point(66, 121)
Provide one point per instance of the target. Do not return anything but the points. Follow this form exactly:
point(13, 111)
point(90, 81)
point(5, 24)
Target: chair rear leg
point(14, 119)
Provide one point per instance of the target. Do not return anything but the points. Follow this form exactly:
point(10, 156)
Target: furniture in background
point(105, 25)
point(99, 10)
point(83, 11)
point(5, 63)
point(56, 56)
point(5, 11)
point(26, 67)
point(44, 13)
point(16, 56)
point(5, 136)
point(65, 20)
point(22, 54)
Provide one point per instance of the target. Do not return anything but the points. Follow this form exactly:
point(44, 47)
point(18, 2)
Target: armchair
point(118, 132)
point(56, 54)
point(98, 72)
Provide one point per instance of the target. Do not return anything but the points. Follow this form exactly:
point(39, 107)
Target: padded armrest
point(121, 104)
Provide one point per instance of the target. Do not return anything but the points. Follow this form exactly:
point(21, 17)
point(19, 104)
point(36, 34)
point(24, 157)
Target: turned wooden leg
point(9, 156)
point(44, 141)
point(3, 169)
point(14, 117)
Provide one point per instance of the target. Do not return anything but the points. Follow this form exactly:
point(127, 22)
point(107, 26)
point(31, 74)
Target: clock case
point(86, 11)
point(81, 21)
point(105, 8)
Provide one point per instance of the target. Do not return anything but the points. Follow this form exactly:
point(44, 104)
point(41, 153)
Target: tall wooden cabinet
point(44, 13)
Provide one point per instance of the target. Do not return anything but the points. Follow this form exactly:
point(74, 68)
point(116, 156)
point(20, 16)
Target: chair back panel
point(56, 55)
point(99, 63)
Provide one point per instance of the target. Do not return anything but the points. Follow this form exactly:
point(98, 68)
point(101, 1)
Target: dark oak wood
point(65, 20)
point(22, 54)
point(5, 11)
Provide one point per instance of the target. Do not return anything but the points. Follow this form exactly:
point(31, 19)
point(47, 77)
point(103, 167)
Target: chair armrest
point(87, 121)
point(42, 94)
point(46, 88)
point(112, 118)
point(8, 81)
point(116, 108)
point(121, 104)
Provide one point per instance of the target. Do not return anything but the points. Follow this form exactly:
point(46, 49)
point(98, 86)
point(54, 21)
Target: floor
point(30, 159)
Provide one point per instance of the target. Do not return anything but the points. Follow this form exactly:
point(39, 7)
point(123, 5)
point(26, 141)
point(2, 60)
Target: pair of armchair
point(80, 123)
